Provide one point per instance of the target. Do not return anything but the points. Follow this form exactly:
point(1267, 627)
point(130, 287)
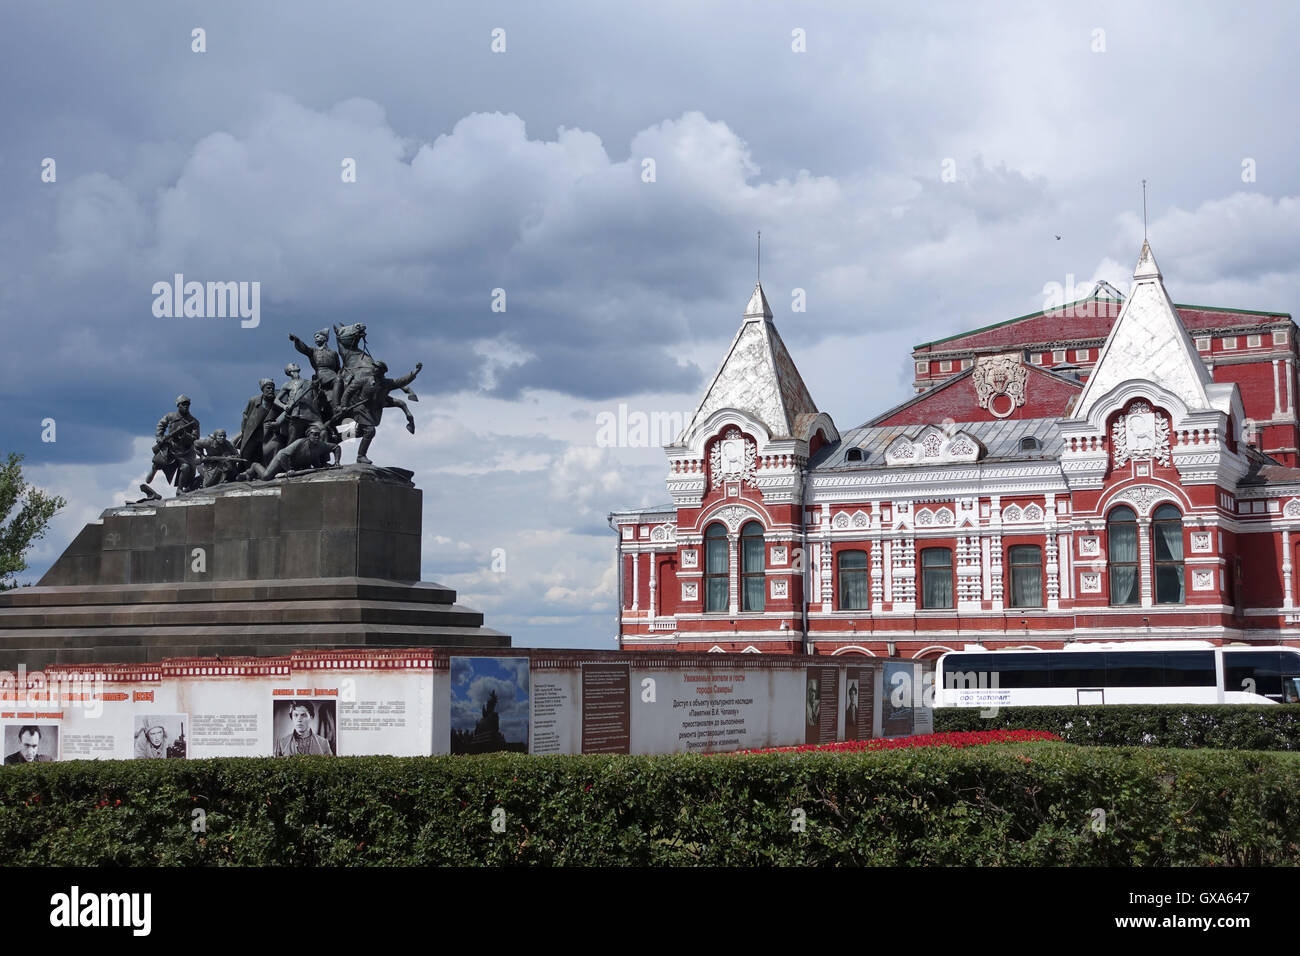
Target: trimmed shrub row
point(1016, 804)
point(1221, 727)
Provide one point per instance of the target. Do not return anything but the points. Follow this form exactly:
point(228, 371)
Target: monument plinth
point(325, 560)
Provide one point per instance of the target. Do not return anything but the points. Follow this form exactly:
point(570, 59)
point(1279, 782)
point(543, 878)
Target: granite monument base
point(327, 560)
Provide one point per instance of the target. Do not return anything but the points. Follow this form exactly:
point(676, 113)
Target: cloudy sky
point(829, 126)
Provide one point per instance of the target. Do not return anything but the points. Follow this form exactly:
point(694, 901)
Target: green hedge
point(1226, 727)
point(1005, 805)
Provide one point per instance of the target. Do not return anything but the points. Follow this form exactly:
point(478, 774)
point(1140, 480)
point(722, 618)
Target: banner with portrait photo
point(32, 741)
point(160, 736)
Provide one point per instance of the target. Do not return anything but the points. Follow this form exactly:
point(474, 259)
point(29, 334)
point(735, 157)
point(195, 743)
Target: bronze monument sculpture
point(291, 430)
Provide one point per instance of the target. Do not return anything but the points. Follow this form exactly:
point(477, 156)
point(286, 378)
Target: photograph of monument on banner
point(489, 704)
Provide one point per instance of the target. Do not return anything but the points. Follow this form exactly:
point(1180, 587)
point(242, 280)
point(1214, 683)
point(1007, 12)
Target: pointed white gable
point(1148, 342)
point(758, 377)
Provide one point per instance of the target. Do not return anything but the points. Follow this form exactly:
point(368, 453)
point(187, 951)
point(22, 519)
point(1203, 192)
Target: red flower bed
point(975, 738)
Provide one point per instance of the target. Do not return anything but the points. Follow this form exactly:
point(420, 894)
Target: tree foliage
point(17, 533)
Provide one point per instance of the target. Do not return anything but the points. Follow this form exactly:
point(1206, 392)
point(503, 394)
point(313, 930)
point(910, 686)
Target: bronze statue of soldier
point(310, 451)
point(367, 399)
point(257, 440)
point(298, 397)
point(219, 460)
point(173, 450)
point(325, 364)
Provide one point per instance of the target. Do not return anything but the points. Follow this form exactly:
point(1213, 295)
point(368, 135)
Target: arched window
point(753, 563)
point(716, 569)
point(1122, 556)
point(854, 593)
point(936, 578)
point(1026, 561)
point(1167, 543)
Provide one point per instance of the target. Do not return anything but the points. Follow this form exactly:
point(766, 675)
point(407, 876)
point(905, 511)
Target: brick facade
point(1142, 488)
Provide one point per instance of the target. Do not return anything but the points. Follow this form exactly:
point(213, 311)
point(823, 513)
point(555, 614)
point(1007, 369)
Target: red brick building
point(1118, 468)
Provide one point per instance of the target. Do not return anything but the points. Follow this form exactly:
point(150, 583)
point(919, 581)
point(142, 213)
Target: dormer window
point(855, 454)
point(1029, 443)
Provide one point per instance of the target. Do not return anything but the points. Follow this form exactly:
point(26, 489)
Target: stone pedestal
point(326, 560)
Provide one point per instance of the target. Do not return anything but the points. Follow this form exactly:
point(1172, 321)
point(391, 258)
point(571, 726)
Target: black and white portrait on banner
point(160, 736)
point(305, 726)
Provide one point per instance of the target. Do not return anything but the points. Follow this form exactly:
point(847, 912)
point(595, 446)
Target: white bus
point(1135, 672)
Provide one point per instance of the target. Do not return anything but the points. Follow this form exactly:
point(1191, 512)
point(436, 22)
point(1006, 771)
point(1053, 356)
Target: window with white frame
point(945, 366)
point(1203, 344)
point(1036, 359)
point(1279, 336)
point(1082, 355)
point(922, 368)
point(1230, 342)
point(1058, 355)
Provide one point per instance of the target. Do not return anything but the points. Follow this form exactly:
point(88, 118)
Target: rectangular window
point(1189, 668)
point(1135, 669)
point(936, 578)
point(1122, 539)
point(1082, 355)
point(1259, 672)
point(1202, 345)
point(753, 560)
point(1058, 355)
point(1023, 670)
point(922, 368)
point(1035, 359)
point(1081, 669)
point(1279, 337)
point(945, 366)
point(1253, 341)
point(1230, 342)
point(967, 363)
point(1026, 562)
point(854, 593)
point(717, 581)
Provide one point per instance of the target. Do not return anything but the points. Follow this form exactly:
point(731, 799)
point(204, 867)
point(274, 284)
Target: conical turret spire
point(1148, 342)
point(758, 376)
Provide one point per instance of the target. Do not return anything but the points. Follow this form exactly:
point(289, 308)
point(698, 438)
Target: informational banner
point(410, 702)
point(859, 703)
point(712, 708)
point(606, 709)
point(898, 698)
point(556, 702)
point(489, 705)
point(821, 705)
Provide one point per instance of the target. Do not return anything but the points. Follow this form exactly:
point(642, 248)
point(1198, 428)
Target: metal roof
point(1000, 438)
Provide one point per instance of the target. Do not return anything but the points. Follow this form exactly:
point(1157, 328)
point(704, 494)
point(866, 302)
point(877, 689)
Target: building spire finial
point(759, 276)
point(1144, 210)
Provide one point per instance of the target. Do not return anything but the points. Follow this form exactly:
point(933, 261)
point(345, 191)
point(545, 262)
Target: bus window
point(965, 670)
point(1079, 669)
point(1024, 670)
point(1189, 668)
point(1255, 672)
point(1291, 689)
point(1135, 669)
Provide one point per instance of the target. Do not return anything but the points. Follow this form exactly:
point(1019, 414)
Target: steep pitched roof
point(758, 376)
point(1090, 318)
point(1149, 342)
point(1047, 393)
